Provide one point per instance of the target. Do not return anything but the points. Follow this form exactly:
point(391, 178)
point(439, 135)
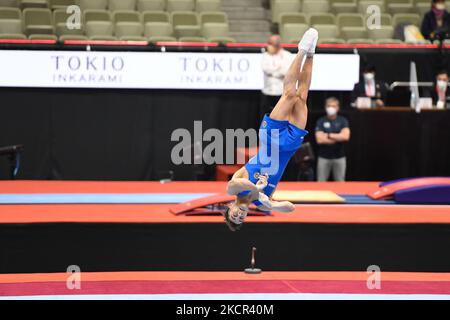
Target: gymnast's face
point(237, 213)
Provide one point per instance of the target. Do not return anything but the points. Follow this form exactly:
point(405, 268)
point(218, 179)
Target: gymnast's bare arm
point(236, 186)
point(239, 182)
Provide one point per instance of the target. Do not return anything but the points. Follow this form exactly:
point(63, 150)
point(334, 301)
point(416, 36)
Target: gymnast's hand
point(264, 199)
point(280, 206)
point(262, 182)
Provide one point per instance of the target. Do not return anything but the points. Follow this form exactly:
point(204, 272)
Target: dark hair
point(442, 72)
point(369, 68)
point(329, 99)
point(233, 226)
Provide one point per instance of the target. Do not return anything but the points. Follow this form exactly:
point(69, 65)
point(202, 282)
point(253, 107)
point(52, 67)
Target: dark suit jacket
point(429, 23)
point(432, 93)
point(360, 90)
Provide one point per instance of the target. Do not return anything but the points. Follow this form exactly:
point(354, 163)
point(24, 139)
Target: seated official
point(435, 21)
point(440, 92)
point(370, 87)
point(332, 131)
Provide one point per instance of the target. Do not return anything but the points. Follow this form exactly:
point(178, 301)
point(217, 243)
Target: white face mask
point(331, 111)
point(442, 84)
point(440, 6)
point(369, 76)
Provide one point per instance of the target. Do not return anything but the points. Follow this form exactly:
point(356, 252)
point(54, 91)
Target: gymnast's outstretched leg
point(299, 114)
point(297, 80)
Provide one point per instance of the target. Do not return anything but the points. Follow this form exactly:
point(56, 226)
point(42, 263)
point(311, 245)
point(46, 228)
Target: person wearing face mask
point(275, 65)
point(332, 131)
point(436, 21)
point(370, 87)
point(440, 92)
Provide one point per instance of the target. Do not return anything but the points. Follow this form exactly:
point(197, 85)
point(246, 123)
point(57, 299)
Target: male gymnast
point(281, 134)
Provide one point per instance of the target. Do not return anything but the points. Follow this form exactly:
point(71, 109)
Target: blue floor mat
point(100, 198)
point(363, 199)
point(141, 198)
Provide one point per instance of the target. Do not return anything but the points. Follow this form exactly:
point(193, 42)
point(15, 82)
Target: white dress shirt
point(371, 88)
point(275, 68)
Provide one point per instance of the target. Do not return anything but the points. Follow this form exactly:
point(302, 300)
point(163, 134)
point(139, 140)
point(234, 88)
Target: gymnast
point(281, 134)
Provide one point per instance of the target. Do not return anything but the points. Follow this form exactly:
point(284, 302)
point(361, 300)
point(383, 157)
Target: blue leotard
point(275, 138)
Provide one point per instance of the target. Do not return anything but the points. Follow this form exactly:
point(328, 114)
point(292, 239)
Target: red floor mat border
point(224, 286)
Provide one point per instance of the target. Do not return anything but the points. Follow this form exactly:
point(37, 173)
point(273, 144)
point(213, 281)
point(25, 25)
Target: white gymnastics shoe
point(309, 41)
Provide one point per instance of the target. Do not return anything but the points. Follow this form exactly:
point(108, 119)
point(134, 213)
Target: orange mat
point(221, 276)
point(157, 213)
point(161, 214)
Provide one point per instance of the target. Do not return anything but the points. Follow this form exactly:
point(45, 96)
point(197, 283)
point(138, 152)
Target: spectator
point(275, 64)
point(332, 131)
point(370, 87)
point(435, 21)
point(440, 93)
